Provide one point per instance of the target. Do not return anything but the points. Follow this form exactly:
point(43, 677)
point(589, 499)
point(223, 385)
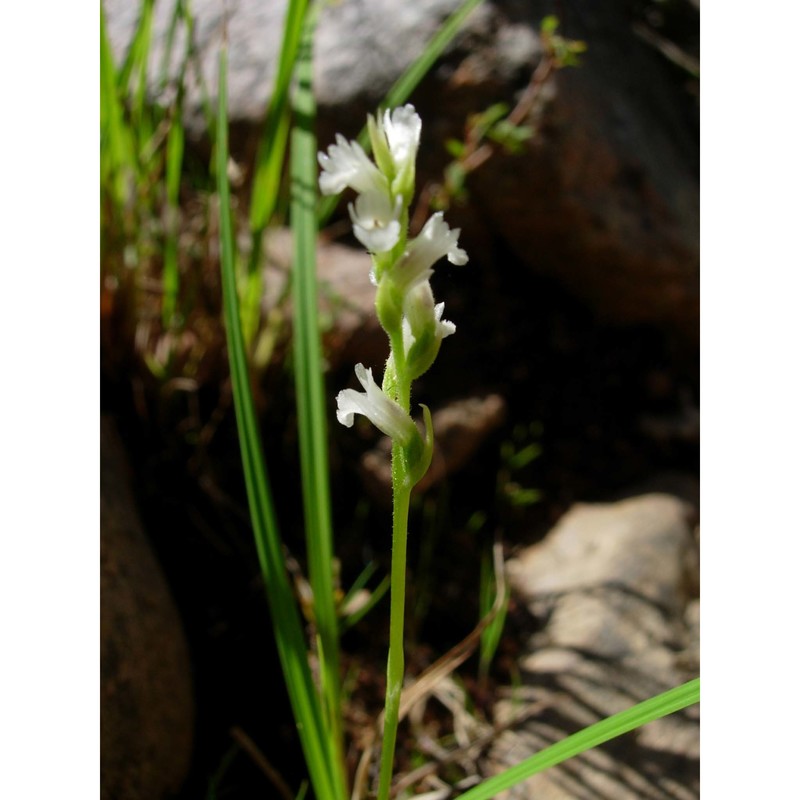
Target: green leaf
point(482, 122)
point(549, 24)
point(287, 624)
point(310, 393)
point(455, 147)
point(455, 176)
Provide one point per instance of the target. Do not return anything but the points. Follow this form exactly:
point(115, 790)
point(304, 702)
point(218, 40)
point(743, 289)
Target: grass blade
point(174, 158)
point(272, 147)
point(269, 161)
point(642, 713)
point(117, 162)
point(409, 80)
point(487, 597)
point(285, 615)
point(310, 387)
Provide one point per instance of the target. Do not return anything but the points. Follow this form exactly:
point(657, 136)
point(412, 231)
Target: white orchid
point(423, 329)
point(435, 240)
point(402, 128)
point(404, 303)
point(407, 311)
point(376, 220)
point(346, 164)
point(384, 413)
point(421, 314)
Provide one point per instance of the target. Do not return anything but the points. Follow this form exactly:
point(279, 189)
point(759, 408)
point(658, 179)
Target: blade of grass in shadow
point(178, 13)
point(285, 615)
point(409, 80)
point(174, 158)
point(137, 45)
point(310, 388)
point(659, 706)
point(134, 70)
point(269, 161)
point(174, 163)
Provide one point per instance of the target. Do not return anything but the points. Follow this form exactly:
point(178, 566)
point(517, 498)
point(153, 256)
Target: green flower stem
point(395, 668)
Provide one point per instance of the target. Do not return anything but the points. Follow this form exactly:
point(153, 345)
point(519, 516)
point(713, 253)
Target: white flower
point(435, 241)
point(402, 128)
point(375, 221)
point(346, 164)
point(384, 413)
point(423, 329)
point(421, 313)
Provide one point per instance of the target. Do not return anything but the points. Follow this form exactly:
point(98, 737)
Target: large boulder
point(614, 589)
point(146, 702)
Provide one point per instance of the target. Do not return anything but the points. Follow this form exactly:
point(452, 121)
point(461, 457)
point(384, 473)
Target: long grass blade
point(272, 147)
point(667, 703)
point(117, 162)
point(134, 71)
point(409, 80)
point(309, 382)
point(270, 160)
point(285, 615)
point(174, 158)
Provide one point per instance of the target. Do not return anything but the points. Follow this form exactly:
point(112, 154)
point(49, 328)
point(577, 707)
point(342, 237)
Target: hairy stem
point(396, 662)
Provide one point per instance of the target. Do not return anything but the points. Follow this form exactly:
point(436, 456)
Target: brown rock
point(459, 430)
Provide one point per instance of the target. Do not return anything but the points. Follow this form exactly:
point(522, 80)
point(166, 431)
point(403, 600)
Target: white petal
point(346, 164)
point(402, 127)
point(444, 328)
point(435, 241)
point(349, 403)
point(383, 412)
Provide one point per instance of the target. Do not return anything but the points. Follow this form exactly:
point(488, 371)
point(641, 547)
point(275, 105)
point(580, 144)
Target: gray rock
point(146, 708)
point(358, 55)
point(614, 587)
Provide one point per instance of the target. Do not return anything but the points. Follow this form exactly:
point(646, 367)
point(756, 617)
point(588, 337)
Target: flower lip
point(384, 413)
point(376, 221)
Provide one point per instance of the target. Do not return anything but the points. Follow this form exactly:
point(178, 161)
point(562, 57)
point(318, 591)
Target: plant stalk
point(401, 492)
